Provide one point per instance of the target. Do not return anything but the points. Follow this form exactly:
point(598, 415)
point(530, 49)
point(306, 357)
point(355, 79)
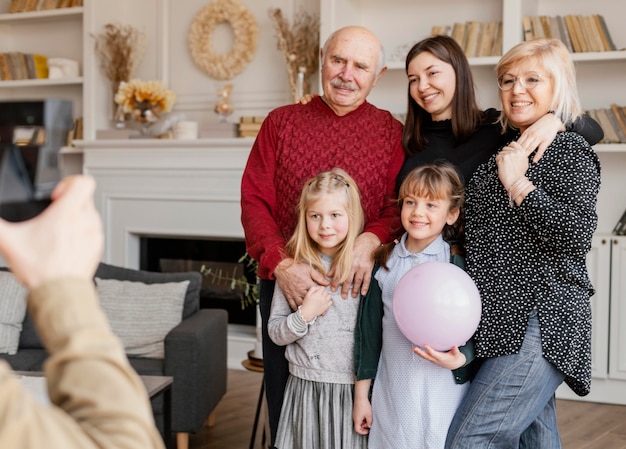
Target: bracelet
point(308, 323)
point(517, 188)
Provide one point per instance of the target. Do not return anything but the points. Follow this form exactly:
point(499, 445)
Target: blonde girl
point(319, 335)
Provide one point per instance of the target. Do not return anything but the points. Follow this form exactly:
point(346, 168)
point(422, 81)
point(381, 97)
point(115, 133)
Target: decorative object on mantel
point(299, 44)
point(249, 126)
point(120, 48)
point(62, 68)
point(244, 27)
point(145, 101)
point(224, 107)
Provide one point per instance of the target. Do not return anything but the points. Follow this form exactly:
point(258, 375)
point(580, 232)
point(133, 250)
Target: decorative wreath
point(223, 66)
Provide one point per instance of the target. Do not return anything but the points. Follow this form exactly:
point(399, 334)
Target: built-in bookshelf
point(32, 35)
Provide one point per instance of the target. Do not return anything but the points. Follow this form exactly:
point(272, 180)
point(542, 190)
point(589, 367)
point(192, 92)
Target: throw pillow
point(141, 314)
point(12, 312)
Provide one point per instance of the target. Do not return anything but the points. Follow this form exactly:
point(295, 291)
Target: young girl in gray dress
point(319, 336)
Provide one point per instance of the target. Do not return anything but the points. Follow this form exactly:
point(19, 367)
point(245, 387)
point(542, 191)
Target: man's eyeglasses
point(528, 81)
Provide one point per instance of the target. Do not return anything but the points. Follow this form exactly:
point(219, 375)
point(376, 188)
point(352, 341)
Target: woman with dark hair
point(444, 121)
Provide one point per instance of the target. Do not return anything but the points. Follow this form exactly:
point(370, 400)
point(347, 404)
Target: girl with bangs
point(318, 400)
point(415, 394)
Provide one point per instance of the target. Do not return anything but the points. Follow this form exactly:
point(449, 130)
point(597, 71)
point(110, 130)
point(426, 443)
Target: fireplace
point(172, 189)
point(220, 260)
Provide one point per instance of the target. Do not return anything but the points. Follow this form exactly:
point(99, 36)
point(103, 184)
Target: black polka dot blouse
point(533, 256)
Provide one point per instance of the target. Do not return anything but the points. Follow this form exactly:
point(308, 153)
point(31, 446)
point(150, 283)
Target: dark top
point(534, 256)
point(486, 141)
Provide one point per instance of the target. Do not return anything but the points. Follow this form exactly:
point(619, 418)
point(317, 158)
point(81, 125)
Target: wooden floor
point(583, 425)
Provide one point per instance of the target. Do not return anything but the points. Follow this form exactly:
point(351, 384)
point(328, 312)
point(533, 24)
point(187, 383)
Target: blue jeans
point(510, 403)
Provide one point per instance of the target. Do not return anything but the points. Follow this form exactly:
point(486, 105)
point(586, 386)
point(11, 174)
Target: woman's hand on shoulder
point(540, 135)
point(306, 98)
point(451, 359)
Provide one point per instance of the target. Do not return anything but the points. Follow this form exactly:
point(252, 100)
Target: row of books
point(613, 122)
point(580, 34)
point(16, 65)
point(41, 5)
point(249, 125)
point(475, 38)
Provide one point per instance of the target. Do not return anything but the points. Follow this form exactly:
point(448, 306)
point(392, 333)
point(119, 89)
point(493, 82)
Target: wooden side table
point(252, 364)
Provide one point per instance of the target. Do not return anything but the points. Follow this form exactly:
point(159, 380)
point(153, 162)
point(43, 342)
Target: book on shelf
point(610, 133)
point(496, 49)
point(538, 30)
point(527, 25)
point(607, 41)
point(579, 30)
point(29, 5)
point(555, 31)
point(486, 38)
point(30, 65)
point(472, 38)
point(41, 65)
point(587, 33)
point(5, 72)
point(616, 124)
point(15, 61)
point(545, 24)
point(458, 33)
point(16, 6)
point(620, 114)
point(564, 34)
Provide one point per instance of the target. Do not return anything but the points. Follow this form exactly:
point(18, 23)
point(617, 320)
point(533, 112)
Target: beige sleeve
point(98, 401)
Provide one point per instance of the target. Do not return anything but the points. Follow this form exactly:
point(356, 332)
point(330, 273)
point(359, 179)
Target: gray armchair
point(195, 354)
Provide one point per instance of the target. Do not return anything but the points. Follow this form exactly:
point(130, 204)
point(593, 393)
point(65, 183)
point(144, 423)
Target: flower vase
point(146, 115)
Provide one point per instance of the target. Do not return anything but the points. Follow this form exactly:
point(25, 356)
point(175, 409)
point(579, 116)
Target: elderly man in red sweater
point(337, 129)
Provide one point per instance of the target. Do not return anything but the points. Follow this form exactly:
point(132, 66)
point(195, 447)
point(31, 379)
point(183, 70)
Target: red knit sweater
point(298, 141)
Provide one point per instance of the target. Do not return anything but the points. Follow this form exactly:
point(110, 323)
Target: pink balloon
point(438, 304)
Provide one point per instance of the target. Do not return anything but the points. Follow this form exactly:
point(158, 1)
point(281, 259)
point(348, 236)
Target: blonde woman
point(528, 231)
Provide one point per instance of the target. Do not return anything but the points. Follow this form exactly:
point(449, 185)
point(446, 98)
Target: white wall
point(259, 88)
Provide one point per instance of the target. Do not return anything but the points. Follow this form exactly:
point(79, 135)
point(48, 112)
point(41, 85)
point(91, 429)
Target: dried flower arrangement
point(299, 44)
point(120, 48)
point(144, 100)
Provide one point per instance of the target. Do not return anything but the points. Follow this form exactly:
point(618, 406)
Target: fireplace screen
point(219, 257)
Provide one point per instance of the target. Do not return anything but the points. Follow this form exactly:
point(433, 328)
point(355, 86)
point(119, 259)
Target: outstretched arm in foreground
point(98, 401)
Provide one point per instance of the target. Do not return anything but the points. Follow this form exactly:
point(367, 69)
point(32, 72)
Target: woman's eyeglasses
point(528, 81)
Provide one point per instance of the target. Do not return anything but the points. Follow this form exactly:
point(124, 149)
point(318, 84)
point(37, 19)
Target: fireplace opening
point(218, 256)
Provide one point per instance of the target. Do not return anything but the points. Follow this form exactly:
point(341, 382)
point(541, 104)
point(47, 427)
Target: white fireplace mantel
point(169, 188)
point(165, 188)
